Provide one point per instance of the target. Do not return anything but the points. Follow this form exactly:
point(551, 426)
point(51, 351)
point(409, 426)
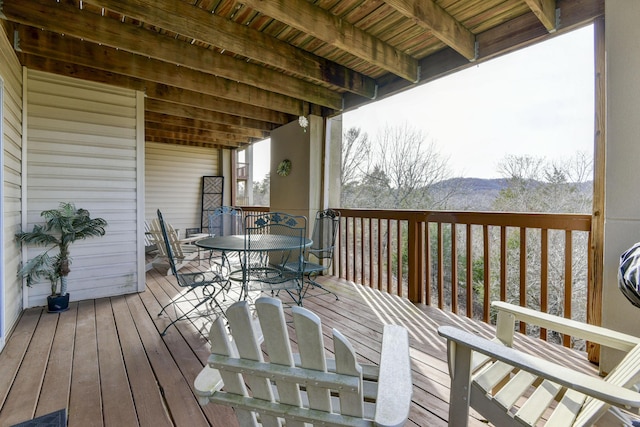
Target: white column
point(622, 181)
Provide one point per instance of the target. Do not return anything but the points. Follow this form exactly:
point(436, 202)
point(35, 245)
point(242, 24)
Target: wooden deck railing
point(461, 261)
point(246, 210)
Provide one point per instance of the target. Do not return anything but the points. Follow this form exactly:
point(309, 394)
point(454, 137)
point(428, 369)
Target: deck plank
point(57, 380)
point(150, 406)
point(21, 403)
point(14, 351)
point(180, 400)
point(85, 401)
point(151, 377)
point(117, 401)
point(185, 342)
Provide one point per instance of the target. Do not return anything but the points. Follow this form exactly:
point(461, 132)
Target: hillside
point(478, 194)
point(471, 193)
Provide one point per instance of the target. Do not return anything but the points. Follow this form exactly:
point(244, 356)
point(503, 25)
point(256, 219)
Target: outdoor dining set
point(268, 252)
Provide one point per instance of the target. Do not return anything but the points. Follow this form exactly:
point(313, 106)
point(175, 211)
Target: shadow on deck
point(105, 361)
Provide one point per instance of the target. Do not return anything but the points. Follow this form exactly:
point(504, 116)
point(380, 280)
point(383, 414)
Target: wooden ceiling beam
point(51, 65)
point(66, 19)
point(545, 10)
point(191, 21)
point(155, 90)
point(337, 32)
point(171, 109)
point(187, 122)
point(177, 141)
point(428, 15)
point(69, 49)
point(191, 137)
point(196, 132)
point(208, 102)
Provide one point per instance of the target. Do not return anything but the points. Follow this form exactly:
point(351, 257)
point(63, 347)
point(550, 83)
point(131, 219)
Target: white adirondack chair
point(307, 387)
point(510, 387)
point(183, 250)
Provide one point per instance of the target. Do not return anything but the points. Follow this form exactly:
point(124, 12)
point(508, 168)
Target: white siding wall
point(11, 75)
point(83, 146)
point(173, 182)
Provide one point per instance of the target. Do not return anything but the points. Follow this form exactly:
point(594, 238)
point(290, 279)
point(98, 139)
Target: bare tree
point(411, 165)
point(578, 168)
point(356, 154)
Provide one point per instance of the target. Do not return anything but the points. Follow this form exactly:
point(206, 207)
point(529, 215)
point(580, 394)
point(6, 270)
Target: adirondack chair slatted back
point(304, 387)
point(172, 240)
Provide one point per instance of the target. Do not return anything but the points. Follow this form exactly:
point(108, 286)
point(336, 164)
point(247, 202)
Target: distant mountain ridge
point(478, 184)
point(478, 194)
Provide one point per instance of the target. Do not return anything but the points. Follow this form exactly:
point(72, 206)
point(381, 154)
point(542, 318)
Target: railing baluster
point(362, 240)
point(440, 280)
point(429, 272)
point(503, 266)
point(371, 258)
point(486, 303)
point(454, 269)
point(389, 281)
point(544, 276)
point(469, 272)
point(523, 273)
point(568, 280)
point(399, 248)
point(379, 250)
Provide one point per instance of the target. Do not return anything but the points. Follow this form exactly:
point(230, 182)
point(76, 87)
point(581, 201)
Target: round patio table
point(255, 243)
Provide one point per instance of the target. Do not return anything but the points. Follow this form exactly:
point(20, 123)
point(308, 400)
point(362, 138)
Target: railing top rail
point(557, 221)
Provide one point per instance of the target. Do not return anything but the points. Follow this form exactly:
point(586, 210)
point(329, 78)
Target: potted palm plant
point(62, 227)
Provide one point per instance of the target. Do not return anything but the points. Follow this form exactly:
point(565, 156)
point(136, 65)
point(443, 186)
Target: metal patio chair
point(225, 221)
point(295, 389)
point(273, 240)
point(201, 288)
point(319, 256)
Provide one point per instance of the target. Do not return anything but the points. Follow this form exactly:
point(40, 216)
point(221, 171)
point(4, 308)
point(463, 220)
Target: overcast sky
point(536, 101)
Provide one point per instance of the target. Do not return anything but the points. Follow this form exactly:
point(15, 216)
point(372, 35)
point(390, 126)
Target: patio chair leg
point(312, 283)
point(207, 297)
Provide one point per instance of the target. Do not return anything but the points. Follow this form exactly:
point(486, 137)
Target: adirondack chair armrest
point(207, 383)
point(583, 383)
point(395, 386)
point(592, 333)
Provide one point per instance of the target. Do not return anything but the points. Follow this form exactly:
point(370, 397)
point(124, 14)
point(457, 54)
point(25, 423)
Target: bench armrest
point(395, 386)
point(583, 383)
point(596, 334)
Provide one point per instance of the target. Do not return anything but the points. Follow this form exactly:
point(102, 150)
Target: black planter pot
point(57, 303)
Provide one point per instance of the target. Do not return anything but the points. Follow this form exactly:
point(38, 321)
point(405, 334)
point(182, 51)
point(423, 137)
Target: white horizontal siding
point(82, 147)
point(173, 181)
point(11, 116)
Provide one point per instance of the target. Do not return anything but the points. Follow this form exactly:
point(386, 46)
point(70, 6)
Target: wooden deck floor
point(105, 361)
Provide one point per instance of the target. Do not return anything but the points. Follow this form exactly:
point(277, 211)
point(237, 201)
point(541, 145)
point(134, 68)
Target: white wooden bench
point(509, 387)
point(304, 387)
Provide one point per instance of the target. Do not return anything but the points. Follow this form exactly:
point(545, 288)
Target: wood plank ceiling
point(223, 73)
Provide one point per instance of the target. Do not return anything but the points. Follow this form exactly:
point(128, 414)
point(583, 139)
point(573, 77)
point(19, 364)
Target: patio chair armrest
point(395, 386)
point(207, 383)
point(589, 385)
point(596, 334)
